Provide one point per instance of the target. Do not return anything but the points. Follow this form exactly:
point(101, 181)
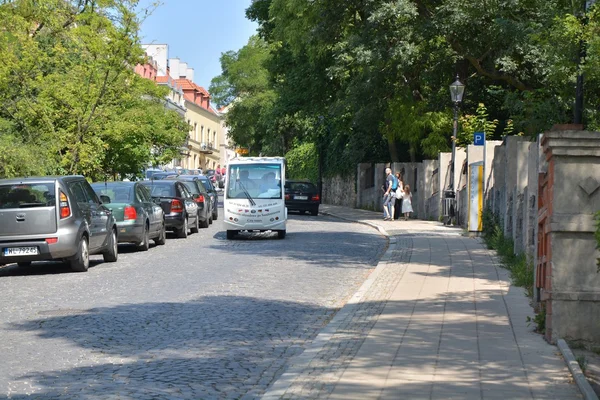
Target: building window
point(202, 133)
point(195, 131)
point(215, 139)
point(208, 134)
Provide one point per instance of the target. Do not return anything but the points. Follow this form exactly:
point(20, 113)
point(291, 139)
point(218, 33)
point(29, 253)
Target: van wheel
point(144, 245)
point(281, 234)
point(112, 253)
point(162, 236)
point(183, 232)
point(81, 261)
point(231, 234)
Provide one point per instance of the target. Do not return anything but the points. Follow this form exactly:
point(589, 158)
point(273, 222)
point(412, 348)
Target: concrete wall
point(572, 290)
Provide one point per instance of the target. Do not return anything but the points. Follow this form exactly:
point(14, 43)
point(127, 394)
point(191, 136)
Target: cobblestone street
point(198, 318)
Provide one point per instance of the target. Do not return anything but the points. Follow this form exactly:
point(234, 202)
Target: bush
point(521, 270)
point(303, 162)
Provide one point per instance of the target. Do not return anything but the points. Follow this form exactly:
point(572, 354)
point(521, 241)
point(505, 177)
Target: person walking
point(406, 202)
point(389, 195)
point(399, 191)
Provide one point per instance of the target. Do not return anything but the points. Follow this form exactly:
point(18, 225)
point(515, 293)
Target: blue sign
point(479, 138)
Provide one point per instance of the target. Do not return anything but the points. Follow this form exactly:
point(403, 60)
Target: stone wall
point(340, 191)
point(518, 171)
point(571, 290)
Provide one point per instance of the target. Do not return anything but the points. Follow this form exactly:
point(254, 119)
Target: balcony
point(206, 147)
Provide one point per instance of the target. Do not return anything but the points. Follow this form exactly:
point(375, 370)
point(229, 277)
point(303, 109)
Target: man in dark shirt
point(389, 196)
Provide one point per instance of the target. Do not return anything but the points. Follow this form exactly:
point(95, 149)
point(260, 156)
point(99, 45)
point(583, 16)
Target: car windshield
point(115, 192)
point(191, 185)
point(162, 190)
point(300, 187)
point(27, 195)
point(258, 181)
point(150, 173)
point(205, 182)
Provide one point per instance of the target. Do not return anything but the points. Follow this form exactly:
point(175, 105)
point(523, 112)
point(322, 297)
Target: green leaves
point(68, 85)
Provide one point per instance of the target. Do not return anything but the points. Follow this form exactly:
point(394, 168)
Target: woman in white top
point(406, 202)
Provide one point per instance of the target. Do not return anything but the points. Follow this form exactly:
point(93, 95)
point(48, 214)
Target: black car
point(214, 196)
point(302, 196)
point(138, 218)
point(181, 211)
point(200, 195)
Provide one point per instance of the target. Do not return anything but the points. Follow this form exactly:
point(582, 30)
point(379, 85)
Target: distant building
point(203, 146)
point(226, 144)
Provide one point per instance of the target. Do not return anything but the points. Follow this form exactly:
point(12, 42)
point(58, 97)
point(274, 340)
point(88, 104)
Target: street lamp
point(457, 89)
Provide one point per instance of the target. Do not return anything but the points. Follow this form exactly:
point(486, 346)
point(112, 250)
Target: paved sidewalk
point(437, 320)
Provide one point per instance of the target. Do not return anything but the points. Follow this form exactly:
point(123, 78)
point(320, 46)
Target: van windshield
point(257, 181)
point(27, 195)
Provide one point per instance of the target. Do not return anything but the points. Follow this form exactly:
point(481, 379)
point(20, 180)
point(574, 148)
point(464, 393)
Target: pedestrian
point(406, 202)
point(399, 191)
point(389, 195)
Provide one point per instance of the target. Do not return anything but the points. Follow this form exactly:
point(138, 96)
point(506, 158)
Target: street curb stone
point(582, 383)
point(303, 360)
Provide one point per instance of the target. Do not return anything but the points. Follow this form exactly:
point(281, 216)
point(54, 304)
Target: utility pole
point(579, 91)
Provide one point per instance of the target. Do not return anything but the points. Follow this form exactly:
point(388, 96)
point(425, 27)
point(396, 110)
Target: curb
point(582, 383)
point(372, 225)
point(299, 363)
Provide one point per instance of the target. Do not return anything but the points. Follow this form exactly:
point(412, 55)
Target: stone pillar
point(570, 195)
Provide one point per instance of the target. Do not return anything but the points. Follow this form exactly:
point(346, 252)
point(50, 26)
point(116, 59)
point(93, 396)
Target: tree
point(68, 84)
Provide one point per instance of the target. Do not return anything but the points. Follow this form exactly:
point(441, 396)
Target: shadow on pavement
point(214, 347)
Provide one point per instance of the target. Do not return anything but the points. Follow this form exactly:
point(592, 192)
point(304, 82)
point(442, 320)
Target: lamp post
point(457, 89)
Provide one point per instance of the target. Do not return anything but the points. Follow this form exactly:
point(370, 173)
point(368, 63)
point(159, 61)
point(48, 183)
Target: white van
point(254, 198)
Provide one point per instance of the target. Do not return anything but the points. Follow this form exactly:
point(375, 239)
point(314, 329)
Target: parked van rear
point(54, 218)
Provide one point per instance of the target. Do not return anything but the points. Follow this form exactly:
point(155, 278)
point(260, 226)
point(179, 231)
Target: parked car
point(214, 196)
point(302, 196)
point(162, 175)
point(149, 173)
point(54, 218)
point(216, 178)
point(181, 212)
point(138, 218)
point(200, 196)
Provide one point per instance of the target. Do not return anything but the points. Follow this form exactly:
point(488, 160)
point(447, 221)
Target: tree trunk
point(392, 149)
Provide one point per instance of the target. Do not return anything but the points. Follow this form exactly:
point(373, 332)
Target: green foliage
point(303, 162)
point(69, 93)
point(539, 320)
point(521, 270)
point(478, 122)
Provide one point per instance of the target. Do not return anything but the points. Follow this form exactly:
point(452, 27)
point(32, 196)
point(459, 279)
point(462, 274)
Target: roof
point(186, 84)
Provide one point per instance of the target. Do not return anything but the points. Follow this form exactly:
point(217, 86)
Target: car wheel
point(231, 234)
point(24, 263)
point(144, 245)
point(314, 212)
point(204, 224)
point(112, 253)
point(162, 236)
point(210, 220)
point(215, 215)
point(281, 234)
point(183, 232)
point(195, 227)
point(81, 261)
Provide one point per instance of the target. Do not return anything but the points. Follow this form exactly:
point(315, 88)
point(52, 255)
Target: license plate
point(300, 197)
point(20, 251)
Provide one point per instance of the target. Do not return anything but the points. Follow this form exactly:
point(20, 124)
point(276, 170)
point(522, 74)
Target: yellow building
point(205, 128)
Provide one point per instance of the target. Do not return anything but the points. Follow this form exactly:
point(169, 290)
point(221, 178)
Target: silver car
point(54, 218)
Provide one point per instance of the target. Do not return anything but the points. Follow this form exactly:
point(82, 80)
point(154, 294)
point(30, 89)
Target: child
point(406, 202)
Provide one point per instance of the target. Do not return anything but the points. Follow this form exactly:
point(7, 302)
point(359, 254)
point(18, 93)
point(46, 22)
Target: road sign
point(479, 138)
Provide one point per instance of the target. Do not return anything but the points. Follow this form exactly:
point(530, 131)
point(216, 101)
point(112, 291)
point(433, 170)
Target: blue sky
point(198, 31)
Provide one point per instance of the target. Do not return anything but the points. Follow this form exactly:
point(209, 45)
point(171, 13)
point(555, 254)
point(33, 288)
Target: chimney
point(190, 74)
point(160, 53)
point(174, 68)
point(182, 69)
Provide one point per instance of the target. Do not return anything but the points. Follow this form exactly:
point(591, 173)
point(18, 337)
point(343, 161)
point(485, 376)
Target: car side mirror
point(104, 199)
